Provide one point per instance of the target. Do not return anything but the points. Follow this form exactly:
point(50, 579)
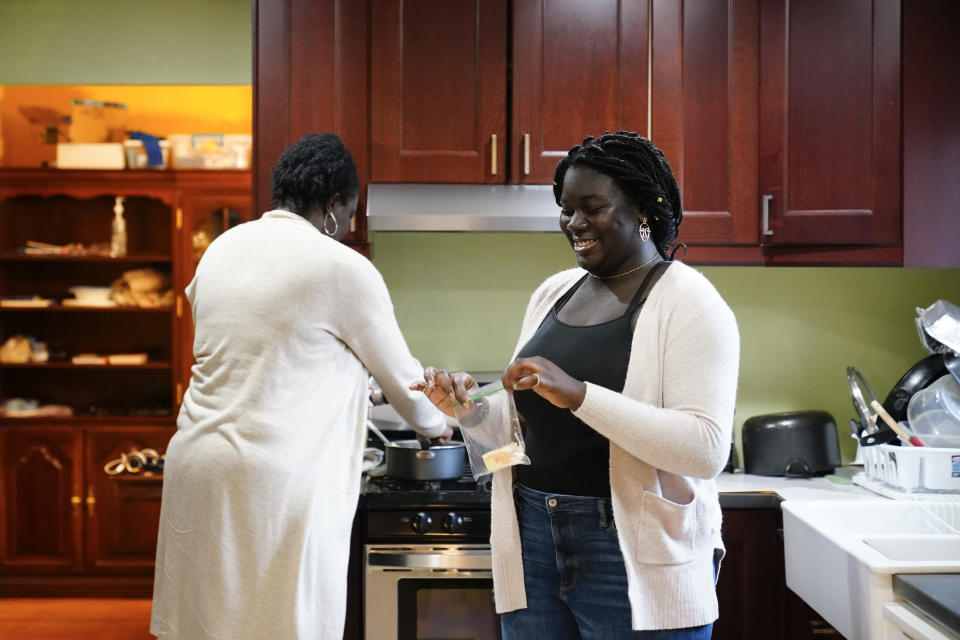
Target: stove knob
point(421, 523)
point(452, 523)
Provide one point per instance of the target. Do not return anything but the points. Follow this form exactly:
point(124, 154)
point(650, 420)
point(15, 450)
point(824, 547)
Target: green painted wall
point(460, 297)
point(125, 42)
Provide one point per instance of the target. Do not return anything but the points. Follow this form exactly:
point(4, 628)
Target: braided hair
point(642, 173)
point(311, 171)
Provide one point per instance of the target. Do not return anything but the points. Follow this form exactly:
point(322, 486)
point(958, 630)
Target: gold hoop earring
point(644, 230)
point(335, 225)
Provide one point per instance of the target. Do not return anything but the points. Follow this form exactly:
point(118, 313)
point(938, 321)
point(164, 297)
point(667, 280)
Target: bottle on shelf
point(118, 237)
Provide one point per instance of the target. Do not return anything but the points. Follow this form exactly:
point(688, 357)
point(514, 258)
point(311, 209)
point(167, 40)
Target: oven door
point(429, 592)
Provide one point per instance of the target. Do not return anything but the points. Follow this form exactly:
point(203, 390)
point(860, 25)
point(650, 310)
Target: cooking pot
point(918, 377)
point(793, 444)
point(408, 460)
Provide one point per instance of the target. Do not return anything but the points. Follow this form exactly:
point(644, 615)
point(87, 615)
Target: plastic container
point(210, 150)
point(936, 409)
point(136, 156)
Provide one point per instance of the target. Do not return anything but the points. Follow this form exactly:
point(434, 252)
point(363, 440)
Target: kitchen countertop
point(740, 490)
point(936, 594)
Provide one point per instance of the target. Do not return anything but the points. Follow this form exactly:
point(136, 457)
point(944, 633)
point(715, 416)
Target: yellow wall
point(157, 109)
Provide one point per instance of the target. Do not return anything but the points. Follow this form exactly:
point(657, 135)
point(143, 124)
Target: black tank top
point(566, 455)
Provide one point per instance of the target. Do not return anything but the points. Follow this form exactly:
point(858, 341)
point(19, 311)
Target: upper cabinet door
point(203, 218)
point(830, 121)
point(438, 91)
point(705, 77)
point(579, 68)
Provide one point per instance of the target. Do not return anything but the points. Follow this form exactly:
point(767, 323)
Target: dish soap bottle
point(118, 238)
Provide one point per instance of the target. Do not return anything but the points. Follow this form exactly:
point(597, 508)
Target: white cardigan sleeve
point(367, 324)
point(682, 425)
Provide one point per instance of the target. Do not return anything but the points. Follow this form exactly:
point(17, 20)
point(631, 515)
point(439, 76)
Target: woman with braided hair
point(262, 476)
point(625, 376)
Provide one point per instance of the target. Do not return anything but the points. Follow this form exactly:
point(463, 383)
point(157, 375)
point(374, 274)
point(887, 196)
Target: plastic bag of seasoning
point(491, 430)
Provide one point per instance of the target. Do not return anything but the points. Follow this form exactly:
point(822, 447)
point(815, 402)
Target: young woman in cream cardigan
point(625, 377)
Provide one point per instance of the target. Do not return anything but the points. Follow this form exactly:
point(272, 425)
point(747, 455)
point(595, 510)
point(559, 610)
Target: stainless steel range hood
point(461, 207)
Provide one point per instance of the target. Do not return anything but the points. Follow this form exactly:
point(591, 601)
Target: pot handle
point(797, 468)
point(425, 454)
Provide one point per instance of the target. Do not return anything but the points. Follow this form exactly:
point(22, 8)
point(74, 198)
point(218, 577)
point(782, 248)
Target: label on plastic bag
point(500, 458)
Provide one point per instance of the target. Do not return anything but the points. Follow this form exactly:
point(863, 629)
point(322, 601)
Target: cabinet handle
point(526, 154)
point(76, 501)
point(179, 393)
point(765, 209)
point(493, 154)
point(179, 307)
point(91, 501)
point(179, 218)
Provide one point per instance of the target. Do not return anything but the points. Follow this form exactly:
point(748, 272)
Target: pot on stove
point(415, 460)
point(408, 460)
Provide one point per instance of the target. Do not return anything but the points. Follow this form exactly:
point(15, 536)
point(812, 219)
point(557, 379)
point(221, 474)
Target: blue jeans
point(574, 574)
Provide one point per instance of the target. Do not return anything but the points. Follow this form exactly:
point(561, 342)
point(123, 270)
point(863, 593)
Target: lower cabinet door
point(122, 511)
point(41, 521)
point(752, 590)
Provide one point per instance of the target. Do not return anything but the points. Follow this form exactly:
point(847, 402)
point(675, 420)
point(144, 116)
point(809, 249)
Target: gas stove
point(426, 553)
point(414, 511)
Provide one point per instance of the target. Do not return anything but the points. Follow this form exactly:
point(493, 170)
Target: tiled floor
point(74, 619)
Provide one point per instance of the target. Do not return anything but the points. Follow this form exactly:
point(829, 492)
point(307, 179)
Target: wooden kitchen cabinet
point(789, 107)
point(438, 96)
point(62, 518)
point(752, 593)
point(578, 69)
point(170, 217)
point(830, 135)
point(62, 207)
point(41, 501)
point(206, 207)
point(122, 512)
point(311, 74)
point(704, 116)
point(792, 105)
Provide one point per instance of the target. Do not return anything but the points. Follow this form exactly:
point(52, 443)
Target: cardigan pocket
point(667, 531)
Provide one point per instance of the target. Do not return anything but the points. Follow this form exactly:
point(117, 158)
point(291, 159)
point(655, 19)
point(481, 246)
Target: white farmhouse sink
point(840, 555)
point(939, 549)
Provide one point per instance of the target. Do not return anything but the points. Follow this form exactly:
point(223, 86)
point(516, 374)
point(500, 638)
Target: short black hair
point(642, 173)
point(311, 171)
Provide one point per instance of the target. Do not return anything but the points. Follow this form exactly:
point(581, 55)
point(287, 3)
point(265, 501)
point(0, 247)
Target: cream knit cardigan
point(670, 434)
point(262, 476)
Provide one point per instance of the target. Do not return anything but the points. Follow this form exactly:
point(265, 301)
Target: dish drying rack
point(912, 473)
point(941, 517)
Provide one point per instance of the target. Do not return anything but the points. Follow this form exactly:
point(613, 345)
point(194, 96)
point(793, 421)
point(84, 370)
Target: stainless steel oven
point(429, 592)
point(426, 560)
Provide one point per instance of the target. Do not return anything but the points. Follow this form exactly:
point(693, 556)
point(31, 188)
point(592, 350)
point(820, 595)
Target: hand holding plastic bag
point(490, 429)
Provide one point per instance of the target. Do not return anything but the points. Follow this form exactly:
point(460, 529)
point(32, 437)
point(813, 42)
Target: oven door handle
point(478, 560)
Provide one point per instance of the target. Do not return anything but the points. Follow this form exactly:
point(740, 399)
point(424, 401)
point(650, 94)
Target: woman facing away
point(261, 478)
point(625, 378)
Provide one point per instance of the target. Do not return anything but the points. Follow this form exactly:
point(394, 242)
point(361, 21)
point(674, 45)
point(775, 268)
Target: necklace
point(625, 273)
